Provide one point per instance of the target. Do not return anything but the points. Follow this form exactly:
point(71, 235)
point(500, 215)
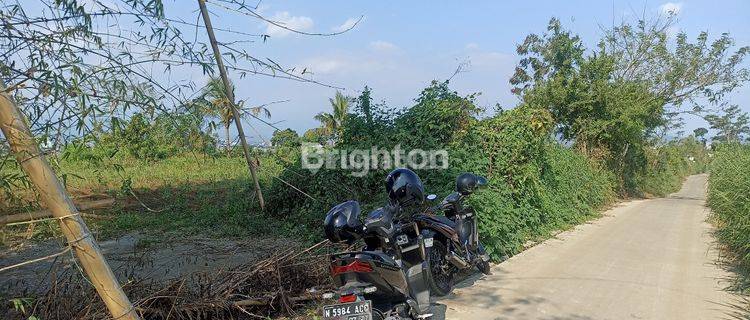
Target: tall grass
point(729, 199)
point(188, 193)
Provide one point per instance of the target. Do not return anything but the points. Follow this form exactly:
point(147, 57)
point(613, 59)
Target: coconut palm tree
point(331, 123)
point(218, 105)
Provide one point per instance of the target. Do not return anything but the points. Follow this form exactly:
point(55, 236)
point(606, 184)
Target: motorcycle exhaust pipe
point(458, 261)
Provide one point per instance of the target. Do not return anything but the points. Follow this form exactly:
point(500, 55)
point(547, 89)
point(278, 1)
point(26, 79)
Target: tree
point(700, 134)
point(597, 111)
point(589, 104)
point(732, 124)
point(215, 103)
point(634, 56)
point(285, 138)
point(618, 97)
point(368, 124)
point(439, 115)
point(218, 105)
point(364, 105)
point(315, 135)
point(332, 123)
point(557, 52)
point(676, 70)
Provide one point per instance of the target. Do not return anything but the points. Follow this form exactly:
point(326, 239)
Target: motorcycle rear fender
point(387, 276)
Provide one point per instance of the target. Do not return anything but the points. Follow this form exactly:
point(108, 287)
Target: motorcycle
point(386, 280)
point(456, 246)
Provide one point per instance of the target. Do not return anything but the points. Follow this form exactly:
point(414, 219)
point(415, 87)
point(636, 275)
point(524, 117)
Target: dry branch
point(278, 285)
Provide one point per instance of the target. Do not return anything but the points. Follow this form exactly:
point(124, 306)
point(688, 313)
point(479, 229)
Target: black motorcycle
point(386, 280)
point(456, 245)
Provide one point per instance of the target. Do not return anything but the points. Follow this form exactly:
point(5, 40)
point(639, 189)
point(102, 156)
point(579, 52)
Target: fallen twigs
point(279, 285)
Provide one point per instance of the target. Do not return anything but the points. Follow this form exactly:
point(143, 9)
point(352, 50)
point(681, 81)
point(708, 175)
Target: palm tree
point(332, 123)
point(218, 105)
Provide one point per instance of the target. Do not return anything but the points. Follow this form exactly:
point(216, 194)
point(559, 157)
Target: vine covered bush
point(536, 185)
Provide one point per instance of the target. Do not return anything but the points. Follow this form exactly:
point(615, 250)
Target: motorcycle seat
point(441, 219)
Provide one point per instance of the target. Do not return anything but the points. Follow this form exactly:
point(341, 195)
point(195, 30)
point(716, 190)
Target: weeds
point(729, 199)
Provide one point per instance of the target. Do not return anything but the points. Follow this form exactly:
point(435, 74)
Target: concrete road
point(645, 259)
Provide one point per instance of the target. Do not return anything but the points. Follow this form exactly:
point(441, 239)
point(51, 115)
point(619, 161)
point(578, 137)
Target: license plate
point(349, 311)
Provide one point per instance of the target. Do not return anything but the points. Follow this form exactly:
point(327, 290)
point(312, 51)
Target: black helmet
point(466, 183)
point(342, 222)
point(404, 187)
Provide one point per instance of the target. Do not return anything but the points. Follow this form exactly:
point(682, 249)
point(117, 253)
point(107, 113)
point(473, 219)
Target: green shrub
point(536, 185)
point(143, 138)
point(729, 199)
point(668, 165)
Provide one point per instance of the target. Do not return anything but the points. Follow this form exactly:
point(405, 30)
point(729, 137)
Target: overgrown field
point(186, 193)
point(729, 199)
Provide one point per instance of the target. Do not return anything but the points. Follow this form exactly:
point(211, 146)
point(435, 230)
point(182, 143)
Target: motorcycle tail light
point(349, 298)
point(354, 266)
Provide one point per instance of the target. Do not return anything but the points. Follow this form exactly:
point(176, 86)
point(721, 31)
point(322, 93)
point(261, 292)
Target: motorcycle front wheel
point(440, 278)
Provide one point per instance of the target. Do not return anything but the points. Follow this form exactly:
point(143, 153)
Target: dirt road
point(645, 259)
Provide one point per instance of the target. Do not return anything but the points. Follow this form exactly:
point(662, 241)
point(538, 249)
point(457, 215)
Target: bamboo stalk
point(230, 97)
point(40, 214)
point(55, 197)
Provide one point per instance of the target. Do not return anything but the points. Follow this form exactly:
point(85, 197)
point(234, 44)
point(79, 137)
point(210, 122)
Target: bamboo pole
point(55, 197)
point(230, 96)
point(44, 213)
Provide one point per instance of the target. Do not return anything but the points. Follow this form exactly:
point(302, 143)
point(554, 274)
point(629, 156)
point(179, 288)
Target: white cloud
point(327, 65)
point(472, 46)
point(283, 18)
point(381, 56)
point(346, 25)
point(383, 46)
point(671, 8)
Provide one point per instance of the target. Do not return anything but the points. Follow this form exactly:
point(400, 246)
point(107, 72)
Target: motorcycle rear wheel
point(377, 315)
point(483, 266)
point(440, 278)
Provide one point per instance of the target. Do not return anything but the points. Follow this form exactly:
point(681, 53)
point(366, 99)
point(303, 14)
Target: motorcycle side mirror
point(481, 181)
point(431, 197)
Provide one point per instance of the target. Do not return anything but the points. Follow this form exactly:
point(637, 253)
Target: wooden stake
point(53, 194)
point(230, 96)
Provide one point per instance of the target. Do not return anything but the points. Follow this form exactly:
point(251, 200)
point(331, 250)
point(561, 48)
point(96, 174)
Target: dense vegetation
point(583, 135)
point(729, 199)
point(593, 124)
point(537, 185)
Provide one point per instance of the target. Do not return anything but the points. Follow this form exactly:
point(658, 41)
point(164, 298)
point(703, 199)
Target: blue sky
point(400, 46)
